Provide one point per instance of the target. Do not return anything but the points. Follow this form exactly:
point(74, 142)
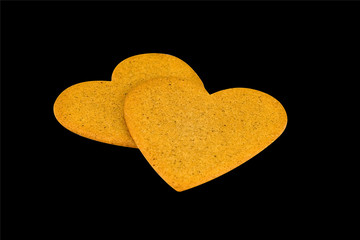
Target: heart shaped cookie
point(190, 136)
point(94, 109)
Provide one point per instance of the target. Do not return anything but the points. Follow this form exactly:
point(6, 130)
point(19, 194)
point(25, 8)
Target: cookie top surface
point(94, 109)
point(190, 137)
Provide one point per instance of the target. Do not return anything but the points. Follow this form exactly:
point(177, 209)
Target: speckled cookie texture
point(94, 109)
point(190, 137)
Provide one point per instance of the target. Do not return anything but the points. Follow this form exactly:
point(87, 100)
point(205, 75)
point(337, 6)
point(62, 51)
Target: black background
point(56, 183)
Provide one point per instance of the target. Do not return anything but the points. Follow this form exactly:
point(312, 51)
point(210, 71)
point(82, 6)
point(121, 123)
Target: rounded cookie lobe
point(92, 110)
point(142, 67)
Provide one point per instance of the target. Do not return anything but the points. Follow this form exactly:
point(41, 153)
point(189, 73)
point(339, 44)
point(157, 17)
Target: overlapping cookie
point(190, 137)
point(94, 109)
point(157, 103)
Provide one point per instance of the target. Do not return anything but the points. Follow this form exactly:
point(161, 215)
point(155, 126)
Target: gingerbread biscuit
point(94, 109)
point(190, 137)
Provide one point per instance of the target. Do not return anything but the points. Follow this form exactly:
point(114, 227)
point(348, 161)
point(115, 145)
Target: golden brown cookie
point(190, 137)
point(94, 109)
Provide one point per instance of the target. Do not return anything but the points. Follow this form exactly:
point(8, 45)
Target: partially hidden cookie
point(190, 137)
point(94, 109)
